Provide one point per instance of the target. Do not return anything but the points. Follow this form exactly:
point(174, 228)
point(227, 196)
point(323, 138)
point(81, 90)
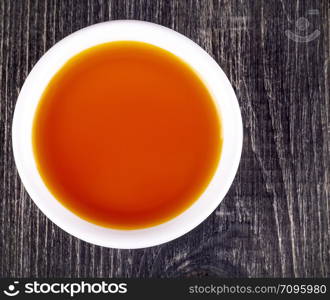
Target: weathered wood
point(275, 220)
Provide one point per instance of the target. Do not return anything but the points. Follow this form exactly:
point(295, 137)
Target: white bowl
point(213, 77)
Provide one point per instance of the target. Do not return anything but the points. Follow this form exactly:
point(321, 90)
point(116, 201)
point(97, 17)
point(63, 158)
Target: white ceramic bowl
point(213, 77)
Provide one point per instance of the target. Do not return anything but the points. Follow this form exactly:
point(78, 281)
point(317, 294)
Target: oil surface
point(126, 135)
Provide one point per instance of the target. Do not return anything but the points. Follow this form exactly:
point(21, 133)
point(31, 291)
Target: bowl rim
point(170, 40)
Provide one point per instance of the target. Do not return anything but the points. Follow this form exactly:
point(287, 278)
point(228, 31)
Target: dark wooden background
point(275, 219)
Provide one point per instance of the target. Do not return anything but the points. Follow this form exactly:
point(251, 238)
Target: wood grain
point(275, 220)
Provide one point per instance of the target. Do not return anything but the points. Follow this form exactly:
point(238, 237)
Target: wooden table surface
point(274, 221)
